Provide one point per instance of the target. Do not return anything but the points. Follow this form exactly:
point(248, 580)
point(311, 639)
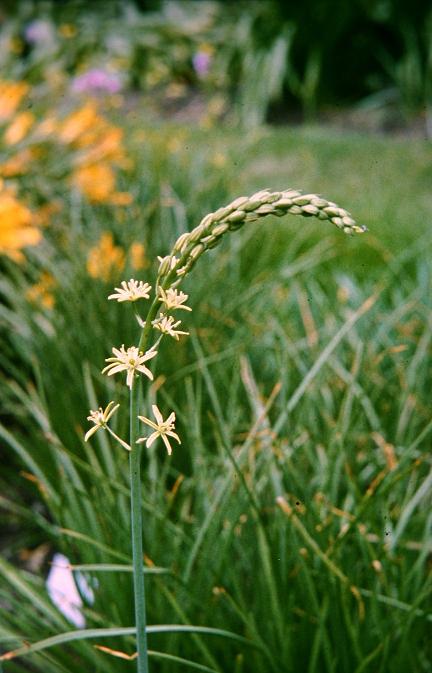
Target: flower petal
point(109, 412)
point(151, 439)
point(91, 432)
point(144, 370)
point(114, 369)
point(147, 421)
point(157, 414)
point(173, 434)
point(167, 444)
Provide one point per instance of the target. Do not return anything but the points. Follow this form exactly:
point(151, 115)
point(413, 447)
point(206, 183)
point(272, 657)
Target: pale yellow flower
point(174, 299)
point(163, 429)
point(168, 325)
point(129, 360)
point(100, 419)
point(131, 291)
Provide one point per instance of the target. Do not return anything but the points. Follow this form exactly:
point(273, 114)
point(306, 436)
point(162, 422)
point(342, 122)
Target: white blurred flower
point(63, 591)
point(174, 299)
point(168, 325)
point(131, 291)
point(130, 360)
point(163, 429)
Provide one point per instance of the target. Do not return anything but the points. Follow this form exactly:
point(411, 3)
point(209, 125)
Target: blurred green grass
point(384, 181)
point(294, 383)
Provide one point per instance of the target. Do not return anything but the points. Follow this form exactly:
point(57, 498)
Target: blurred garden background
point(297, 510)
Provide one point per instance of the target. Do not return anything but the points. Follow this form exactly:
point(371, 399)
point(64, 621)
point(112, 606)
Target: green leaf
point(180, 660)
point(86, 634)
point(117, 567)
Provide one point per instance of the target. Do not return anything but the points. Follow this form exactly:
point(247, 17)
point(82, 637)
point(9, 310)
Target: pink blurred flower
point(97, 80)
point(38, 31)
point(201, 61)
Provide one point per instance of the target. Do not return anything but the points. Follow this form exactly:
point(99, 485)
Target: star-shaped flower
point(161, 428)
point(168, 325)
point(100, 419)
point(131, 291)
point(130, 360)
point(174, 299)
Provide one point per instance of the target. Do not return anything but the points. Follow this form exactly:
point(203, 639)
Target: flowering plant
point(132, 361)
point(168, 298)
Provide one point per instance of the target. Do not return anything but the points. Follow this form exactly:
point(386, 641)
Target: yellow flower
point(46, 127)
point(137, 256)
point(106, 142)
point(43, 215)
point(105, 259)
point(18, 164)
point(99, 149)
point(77, 123)
point(96, 182)
point(11, 94)
point(18, 128)
point(67, 30)
point(207, 48)
point(41, 292)
point(16, 228)
point(219, 160)
point(121, 199)
point(16, 46)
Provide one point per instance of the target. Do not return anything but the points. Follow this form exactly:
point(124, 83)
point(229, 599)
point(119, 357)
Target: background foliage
point(306, 376)
point(260, 58)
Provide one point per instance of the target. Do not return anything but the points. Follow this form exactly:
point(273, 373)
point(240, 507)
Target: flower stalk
point(167, 298)
point(137, 537)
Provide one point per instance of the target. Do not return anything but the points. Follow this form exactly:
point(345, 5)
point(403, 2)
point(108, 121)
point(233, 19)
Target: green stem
point(137, 542)
point(135, 482)
point(151, 315)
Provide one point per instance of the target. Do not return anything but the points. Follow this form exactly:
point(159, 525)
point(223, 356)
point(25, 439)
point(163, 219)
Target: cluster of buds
point(208, 234)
